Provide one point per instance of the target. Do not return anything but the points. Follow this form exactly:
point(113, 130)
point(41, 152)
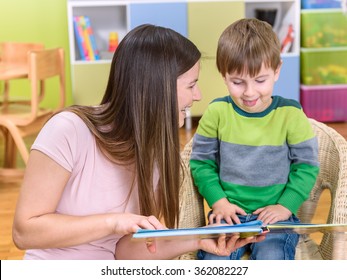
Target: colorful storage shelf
point(323, 66)
point(323, 28)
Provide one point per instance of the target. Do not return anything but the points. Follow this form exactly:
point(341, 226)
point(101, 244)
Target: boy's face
point(252, 94)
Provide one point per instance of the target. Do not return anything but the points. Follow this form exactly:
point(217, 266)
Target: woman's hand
point(127, 223)
point(224, 246)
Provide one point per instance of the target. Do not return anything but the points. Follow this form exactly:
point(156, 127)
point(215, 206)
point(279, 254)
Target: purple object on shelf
point(324, 103)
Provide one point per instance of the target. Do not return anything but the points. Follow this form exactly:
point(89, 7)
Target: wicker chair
point(332, 176)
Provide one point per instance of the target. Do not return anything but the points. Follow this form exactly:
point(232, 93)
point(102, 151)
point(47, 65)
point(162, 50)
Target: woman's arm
point(36, 223)
point(128, 248)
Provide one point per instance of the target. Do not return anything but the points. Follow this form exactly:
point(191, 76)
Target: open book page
point(244, 230)
point(281, 227)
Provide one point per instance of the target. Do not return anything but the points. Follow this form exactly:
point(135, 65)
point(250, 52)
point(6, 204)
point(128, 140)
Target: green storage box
point(325, 66)
point(323, 28)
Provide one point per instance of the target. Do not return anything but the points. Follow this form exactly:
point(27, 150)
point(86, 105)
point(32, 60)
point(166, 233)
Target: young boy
point(255, 156)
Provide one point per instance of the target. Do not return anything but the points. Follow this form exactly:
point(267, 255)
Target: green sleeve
point(206, 178)
point(302, 178)
point(305, 166)
point(204, 158)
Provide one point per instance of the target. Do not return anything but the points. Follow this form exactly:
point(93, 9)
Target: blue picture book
point(83, 52)
point(244, 230)
point(92, 40)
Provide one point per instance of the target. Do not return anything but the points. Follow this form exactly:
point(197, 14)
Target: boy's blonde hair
point(245, 45)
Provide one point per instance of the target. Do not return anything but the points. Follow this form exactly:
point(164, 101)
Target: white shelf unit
point(288, 12)
point(192, 18)
point(105, 17)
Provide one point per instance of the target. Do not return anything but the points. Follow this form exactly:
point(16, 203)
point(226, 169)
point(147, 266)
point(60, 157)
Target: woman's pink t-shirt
point(96, 185)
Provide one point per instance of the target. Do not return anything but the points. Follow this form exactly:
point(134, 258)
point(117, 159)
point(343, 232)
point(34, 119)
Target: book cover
point(92, 40)
point(286, 35)
point(244, 230)
point(86, 38)
point(79, 38)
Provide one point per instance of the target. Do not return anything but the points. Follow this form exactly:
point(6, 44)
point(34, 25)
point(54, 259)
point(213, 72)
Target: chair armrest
point(191, 202)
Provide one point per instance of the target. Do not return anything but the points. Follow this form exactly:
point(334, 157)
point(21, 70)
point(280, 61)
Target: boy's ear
point(278, 71)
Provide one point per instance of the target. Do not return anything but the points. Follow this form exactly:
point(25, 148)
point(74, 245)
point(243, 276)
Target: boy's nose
point(249, 91)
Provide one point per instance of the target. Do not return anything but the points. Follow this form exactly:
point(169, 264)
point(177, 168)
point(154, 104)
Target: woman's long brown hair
point(137, 120)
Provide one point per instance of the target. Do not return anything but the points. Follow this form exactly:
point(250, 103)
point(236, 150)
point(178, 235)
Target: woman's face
point(187, 91)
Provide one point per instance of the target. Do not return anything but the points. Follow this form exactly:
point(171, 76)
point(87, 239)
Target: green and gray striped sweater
point(255, 159)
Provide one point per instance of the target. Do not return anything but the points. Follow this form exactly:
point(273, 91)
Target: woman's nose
point(197, 94)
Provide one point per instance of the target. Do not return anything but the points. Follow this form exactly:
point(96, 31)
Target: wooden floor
point(9, 194)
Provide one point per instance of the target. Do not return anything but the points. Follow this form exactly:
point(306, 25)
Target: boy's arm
point(304, 169)
point(205, 157)
point(206, 178)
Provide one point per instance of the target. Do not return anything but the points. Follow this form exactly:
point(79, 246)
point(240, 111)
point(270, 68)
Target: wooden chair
point(332, 176)
point(14, 64)
point(19, 120)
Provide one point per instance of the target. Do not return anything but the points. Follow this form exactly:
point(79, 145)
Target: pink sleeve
point(58, 139)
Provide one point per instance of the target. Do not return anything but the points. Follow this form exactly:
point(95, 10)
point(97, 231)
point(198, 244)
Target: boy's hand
point(223, 209)
point(272, 214)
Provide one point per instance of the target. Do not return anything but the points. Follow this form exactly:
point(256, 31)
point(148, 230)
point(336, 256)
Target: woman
point(96, 174)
